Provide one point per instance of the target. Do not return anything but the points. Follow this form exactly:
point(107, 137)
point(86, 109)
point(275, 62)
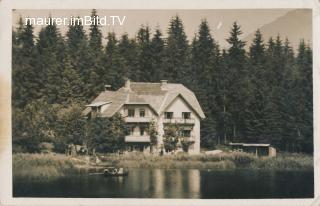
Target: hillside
point(295, 25)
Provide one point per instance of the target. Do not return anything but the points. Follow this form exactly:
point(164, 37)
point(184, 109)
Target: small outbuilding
point(257, 149)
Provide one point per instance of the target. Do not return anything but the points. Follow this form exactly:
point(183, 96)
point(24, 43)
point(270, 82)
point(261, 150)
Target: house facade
point(164, 105)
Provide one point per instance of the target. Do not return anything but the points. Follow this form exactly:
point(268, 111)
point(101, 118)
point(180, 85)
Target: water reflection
point(166, 183)
point(194, 183)
point(161, 183)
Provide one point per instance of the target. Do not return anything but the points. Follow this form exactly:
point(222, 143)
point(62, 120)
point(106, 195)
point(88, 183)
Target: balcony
point(179, 121)
point(137, 119)
point(131, 138)
point(190, 139)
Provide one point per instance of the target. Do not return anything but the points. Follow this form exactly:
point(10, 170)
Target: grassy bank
point(58, 165)
point(43, 165)
point(219, 161)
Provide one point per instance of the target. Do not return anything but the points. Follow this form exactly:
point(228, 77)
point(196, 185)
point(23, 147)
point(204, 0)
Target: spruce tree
point(303, 106)
point(112, 72)
point(203, 79)
point(24, 72)
point(157, 56)
point(77, 47)
point(71, 84)
point(276, 77)
point(176, 52)
point(144, 54)
point(51, 50)
point(257, 112)
point(237, 91)
point(128, 53)
point(95, 54)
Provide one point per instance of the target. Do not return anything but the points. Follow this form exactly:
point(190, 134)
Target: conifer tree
point(51, 53)
point(203, 79)
point(286, 106)
point(112, 71)
point(128, 54)
point(255, 117)
point(157, 56)
point(144, 54)
point(276, 78)
point(71, 84)
point(237, 84)
point(24, 73)
point(95, 36)
point(77, 47)
point(224, 116)
point(176, 52)
point(95, 54)
point(303, 106)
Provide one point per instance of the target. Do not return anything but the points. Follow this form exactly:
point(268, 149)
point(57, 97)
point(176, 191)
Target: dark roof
point(156, 95)
point(250, 144)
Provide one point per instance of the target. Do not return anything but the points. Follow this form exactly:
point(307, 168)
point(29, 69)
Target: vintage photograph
point(173, 104)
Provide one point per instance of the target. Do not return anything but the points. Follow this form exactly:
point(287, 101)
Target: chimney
point(127, 85)
point(107, 87)
point(164, 84)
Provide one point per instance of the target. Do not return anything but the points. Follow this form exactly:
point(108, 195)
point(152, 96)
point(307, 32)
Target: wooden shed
point(257, 149)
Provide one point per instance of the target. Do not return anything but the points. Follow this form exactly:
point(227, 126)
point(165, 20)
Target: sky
point(220, 21)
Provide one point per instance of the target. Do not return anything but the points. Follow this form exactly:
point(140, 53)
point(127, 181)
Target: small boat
point(113, 171)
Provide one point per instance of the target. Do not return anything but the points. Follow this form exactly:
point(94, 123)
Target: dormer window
point(130, 112)
point(96, 109)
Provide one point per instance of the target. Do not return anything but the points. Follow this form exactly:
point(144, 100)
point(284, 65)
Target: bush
point(46, 147)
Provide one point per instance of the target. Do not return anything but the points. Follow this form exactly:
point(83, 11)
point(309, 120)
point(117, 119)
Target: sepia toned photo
point(166, 104)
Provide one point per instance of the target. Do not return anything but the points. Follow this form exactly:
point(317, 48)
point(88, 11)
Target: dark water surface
point(178, 183)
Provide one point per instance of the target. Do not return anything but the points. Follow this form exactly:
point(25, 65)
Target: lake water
point(175, 183)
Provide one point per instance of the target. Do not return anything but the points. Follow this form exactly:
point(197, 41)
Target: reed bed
point(40, 166)
point(224, 160)
point(43, 165)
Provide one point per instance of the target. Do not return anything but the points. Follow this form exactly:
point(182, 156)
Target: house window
point(186, 115)
point(186, 133)
point(129, 130)
point(142, 130)
point(96, 109)
point(168, 115)
point(142, 112)
point(130, 112)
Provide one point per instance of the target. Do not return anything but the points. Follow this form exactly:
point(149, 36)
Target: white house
point(140, 103)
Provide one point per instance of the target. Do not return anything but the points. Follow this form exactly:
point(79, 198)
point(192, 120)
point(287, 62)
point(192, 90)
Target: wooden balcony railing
point(179, 121)
point(137, 119)
point(132, 138)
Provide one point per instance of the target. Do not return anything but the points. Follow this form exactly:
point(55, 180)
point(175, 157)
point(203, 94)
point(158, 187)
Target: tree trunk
point(234, 132)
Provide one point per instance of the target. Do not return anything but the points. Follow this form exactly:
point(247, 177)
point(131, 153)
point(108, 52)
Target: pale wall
point(177, 107)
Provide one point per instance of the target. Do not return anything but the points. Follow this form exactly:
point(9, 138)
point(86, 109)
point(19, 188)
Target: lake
point(174, 183)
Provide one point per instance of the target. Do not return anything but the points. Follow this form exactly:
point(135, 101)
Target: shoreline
point(39, 166)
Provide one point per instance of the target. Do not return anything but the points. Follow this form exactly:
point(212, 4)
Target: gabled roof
point(157, 95)
point(97, 104)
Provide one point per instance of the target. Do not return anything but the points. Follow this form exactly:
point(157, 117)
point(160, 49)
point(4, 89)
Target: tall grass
point(40, 166)
point(285, 162)
point(223, 160)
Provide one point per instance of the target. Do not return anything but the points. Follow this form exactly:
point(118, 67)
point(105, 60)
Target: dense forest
point(259, 95)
